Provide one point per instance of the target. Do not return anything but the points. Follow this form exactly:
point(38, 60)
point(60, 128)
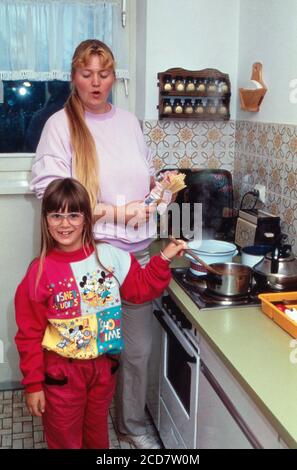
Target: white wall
point(140, 81)
point(19, 235)
point(192, 34)
point(268, 34)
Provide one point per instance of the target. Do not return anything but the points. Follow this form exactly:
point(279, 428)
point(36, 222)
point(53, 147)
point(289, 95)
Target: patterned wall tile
point(254, 152)
point(290, 179)
point(266, 153)
point(273, 203)
point(289, 216)
point(191, 144)
point(275, 181)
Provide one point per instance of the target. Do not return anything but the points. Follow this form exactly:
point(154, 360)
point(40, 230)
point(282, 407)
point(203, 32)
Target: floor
point(114, 441)
point(19, 430)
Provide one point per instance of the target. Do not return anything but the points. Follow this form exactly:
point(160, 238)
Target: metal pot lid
point(287, 268)
point(284, 259)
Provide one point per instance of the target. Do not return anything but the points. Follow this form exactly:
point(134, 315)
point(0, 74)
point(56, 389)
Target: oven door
point(178, 385)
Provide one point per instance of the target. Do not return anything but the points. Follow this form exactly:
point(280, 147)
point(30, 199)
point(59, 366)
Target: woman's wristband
point(164, 257)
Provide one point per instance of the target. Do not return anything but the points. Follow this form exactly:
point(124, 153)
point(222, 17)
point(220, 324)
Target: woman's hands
point(139, 212)
point(136, 210)
point(172, 249)
point(35, 402)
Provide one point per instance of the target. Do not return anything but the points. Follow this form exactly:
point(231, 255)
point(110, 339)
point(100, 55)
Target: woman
point(103, 147)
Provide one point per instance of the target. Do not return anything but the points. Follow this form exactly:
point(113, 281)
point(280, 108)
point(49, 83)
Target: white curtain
point(38, 37)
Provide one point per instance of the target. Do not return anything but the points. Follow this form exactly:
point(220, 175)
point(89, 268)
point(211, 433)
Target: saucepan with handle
point(234, 279)
point(210, 251)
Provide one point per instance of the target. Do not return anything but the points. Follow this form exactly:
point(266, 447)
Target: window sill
point(15, 170)
point(14, 187)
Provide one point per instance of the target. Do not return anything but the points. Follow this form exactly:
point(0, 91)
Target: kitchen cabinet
point(186, 94)
point(222, 416)
point(217, 428)
point(227, 417)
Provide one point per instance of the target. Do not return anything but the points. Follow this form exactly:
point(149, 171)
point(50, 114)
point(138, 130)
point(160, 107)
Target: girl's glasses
point(56, 218)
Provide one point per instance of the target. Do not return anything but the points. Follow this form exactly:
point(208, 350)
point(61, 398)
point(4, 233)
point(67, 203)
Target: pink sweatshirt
point(76, 309)
point(125, 167)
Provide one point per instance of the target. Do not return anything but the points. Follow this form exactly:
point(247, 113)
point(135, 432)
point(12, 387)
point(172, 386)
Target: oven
point(178, 376)
point(175, 361)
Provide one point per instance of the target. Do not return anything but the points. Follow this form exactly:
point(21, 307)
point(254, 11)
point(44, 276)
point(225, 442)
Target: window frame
point(15, 168)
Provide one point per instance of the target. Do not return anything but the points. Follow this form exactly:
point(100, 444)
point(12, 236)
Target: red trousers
point(78, 395)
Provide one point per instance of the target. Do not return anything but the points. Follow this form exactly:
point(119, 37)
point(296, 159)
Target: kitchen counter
point(257, 353)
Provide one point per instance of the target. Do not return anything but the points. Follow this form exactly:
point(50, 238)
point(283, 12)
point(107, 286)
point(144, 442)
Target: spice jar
point(177, 106)
point(167, 107)
point(168, 83)
point(211, 87)
point(222, 108)
point(199, 108)
point(179, 84)
point(188, 107)
point(190, 86)
point(201, 85)
point(223, 87)
point(211, 107)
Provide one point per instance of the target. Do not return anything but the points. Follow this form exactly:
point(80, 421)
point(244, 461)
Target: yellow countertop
point(256, 351)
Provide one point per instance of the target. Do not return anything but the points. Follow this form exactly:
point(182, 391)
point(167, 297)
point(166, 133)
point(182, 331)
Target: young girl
point(68, 312)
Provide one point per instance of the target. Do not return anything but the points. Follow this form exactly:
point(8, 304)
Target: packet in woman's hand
point(168, 183)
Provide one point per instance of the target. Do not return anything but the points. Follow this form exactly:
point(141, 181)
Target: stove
point(195, 287)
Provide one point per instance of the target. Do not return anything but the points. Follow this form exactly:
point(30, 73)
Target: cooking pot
point(278, 270)
point(253, 254)
point(235, 279)
point(210, 251)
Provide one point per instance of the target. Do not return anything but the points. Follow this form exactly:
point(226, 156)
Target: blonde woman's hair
point(85, 159)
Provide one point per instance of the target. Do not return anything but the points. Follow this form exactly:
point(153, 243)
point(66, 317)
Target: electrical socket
point(262, 191)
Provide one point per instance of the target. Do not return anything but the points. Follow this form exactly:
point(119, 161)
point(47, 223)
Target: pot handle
point(286, 251)
point(274, 260)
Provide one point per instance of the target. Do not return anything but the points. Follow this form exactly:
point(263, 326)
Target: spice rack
point(187, 94)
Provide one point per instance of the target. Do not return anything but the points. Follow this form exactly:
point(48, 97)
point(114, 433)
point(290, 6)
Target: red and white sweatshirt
point(75, 310)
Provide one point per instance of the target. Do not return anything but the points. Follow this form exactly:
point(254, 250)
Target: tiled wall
point(260, 153)
point(191, 144)
point(266, 153)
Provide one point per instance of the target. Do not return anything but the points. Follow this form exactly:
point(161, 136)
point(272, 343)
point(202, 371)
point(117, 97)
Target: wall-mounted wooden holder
point(250, 100)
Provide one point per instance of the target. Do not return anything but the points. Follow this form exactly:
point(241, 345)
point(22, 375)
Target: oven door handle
point(160, 316)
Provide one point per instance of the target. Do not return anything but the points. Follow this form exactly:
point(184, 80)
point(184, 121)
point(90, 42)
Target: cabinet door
point(217, 428)
point(153, 390)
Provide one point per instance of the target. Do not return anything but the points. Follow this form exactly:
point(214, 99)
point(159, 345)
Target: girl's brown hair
point(85, 160)
point(64, 195)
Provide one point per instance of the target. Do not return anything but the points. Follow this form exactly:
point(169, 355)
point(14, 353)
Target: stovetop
point(195, 287)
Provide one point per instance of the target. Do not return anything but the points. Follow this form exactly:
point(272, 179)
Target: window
point(27, 106)
point(38, 38)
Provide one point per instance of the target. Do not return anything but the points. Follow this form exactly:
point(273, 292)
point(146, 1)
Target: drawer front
point(247, 410)
point(168, 431)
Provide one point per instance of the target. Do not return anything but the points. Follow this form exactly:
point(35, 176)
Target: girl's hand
point(35, 403)
point(173, 250)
